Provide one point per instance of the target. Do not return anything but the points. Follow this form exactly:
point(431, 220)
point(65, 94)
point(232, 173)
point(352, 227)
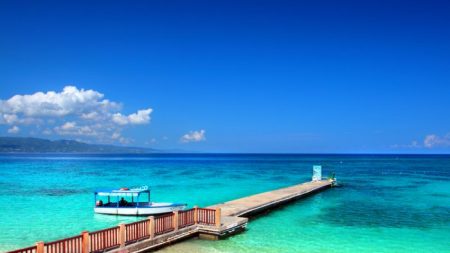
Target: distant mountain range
point(36, 145)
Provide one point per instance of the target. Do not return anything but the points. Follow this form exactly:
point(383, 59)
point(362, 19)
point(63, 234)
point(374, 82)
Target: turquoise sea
point(388, 203)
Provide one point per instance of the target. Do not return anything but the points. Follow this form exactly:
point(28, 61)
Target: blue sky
point(265, 76)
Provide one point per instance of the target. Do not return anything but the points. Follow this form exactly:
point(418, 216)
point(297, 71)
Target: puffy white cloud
point(433, 140)
point(120, 119)
point(116, 135)
point(90, 115)
point(140, 117)
point(70, 101)
point(71, 128)
point(76, 112)
point(10, 118)
point(68, 126)
point(13, 130)
point(194, 136)
point(430, 141)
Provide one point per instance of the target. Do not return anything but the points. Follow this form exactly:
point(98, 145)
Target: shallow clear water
point(387, 203)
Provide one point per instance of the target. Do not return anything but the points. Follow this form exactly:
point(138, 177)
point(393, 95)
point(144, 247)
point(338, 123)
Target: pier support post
point(40, 247)
point(151, 226)
point(195, 214)
point(175, 220)
point(85, 242)
point(218, 216)
point(122, 234)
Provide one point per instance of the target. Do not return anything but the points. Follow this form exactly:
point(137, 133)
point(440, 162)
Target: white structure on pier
point(317, 173)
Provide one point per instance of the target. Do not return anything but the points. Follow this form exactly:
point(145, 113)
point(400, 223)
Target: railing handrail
point(137, 230)
point(136, 222)
point(63, 240)
point(207, 219)
point(163, 216)
point(206, 216)
point(187, 210)
point(24, 250)
point(186, 218)
point(103, 230)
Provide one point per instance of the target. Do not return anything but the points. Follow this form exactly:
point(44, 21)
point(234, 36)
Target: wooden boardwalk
point(212, 223)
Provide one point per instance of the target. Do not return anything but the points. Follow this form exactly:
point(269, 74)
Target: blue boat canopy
point(123, 192)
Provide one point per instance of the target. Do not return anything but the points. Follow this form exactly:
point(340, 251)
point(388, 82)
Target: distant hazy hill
point(36, 145)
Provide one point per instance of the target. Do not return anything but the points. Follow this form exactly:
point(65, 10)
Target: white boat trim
point(133, 207)
point(136, 211)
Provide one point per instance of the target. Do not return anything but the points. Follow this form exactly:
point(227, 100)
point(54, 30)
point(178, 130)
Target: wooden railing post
point(40, 247)
point(151, 226)
point(217, 218)
point(85, 242)
point(195, 214)
point(122, 234)
point(175, 220)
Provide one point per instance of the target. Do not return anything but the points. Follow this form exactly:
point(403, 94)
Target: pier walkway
point(212, 223)
point(254, 204)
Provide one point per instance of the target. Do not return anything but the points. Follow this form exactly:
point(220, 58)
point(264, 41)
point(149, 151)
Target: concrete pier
point(257, 203)
point(233, 216)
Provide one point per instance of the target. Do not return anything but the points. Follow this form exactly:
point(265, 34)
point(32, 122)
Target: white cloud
point(413, 144)
point(115, 135)
point(120, 119)
point(430, 141)
point(71, 128)
point(194, 136)
point(433, 141)
point(151, 141)
point(13, 130)
point(118, 137)
point(68, 126)
point(140, 117)
point(10, 118)
point(47, 132)
point(90, 116)
point(76, 112)
point(70, 101)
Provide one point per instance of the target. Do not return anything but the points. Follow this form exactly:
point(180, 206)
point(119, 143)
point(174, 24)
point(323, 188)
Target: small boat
point(126, 201)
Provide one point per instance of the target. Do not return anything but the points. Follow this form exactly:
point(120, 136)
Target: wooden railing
point(119, 236)
point(137, 230)
point(67, 245)
point(31, 249)
point(186, 218)
point(206, 216)
point(164, 224)
point(104, 239)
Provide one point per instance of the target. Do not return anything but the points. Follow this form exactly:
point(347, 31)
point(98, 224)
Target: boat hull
point(140, 211)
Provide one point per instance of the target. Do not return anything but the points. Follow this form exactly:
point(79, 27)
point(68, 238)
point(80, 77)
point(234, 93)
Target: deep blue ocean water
point(388, 203)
